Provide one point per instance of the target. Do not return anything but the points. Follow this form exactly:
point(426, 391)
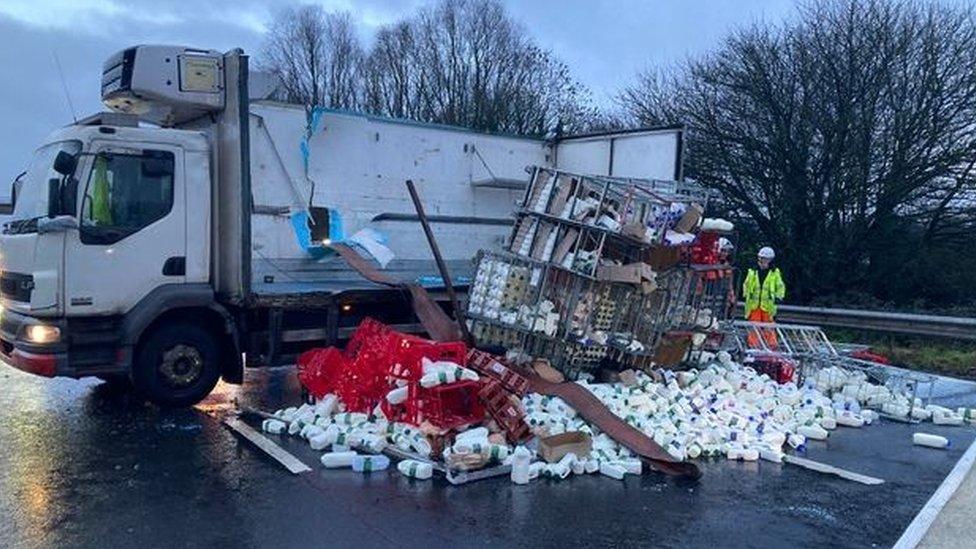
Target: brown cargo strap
point(596, 413)
point(439, 326)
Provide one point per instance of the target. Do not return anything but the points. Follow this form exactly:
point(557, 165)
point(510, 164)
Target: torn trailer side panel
point(346, 172)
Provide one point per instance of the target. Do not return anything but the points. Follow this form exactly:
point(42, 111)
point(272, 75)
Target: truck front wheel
point(177, 365)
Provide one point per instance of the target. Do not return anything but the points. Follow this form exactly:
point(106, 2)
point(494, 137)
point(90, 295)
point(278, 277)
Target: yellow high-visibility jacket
point(765, 297)
point(101, 209)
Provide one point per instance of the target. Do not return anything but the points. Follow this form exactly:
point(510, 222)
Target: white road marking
point(293, 464)
point(924, 519)
point(832, 470)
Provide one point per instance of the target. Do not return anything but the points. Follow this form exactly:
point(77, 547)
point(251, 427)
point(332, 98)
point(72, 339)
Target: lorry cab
point(91, 242)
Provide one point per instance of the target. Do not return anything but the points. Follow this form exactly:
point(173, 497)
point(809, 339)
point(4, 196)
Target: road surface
point(84, 466)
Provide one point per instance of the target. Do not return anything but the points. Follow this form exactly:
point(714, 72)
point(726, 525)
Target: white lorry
point(178, 238)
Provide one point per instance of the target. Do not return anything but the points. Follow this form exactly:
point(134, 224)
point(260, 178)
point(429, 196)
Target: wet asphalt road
point(83, 466)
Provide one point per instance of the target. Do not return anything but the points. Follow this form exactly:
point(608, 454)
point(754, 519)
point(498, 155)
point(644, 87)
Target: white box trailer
point(163, 253)
point(354, 166)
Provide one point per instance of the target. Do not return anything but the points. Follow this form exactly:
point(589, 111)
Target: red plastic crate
point(405, 412)
point(320, 370)
point(494, 367)
point(779, 368)
point(408, 363)
point(408, 367)
point(450, 406)
point(445, 406)
point(508, 416)
point(870, 356)
point(704, 250)
point(358, 375)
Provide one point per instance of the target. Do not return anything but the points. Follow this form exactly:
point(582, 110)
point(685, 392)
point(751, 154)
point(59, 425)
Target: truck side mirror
point(65, 163)
point(15, 189)
point(69, 197)
point(53, 197)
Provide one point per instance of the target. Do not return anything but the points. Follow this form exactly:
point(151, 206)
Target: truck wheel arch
point(177, 303)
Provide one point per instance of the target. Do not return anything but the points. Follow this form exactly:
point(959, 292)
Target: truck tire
point(177, 365)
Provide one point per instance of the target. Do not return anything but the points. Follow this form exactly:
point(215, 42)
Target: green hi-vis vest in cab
point(764, 297)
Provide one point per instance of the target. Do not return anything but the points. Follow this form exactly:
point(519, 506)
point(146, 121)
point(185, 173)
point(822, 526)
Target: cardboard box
point(564, 185)
point(541, 239)
point(672, 349)
point(552, 449)
point(541, 178)
point(503, 407)
point(542, 369)
point(662, 258)
point(493, 367)
point(690, 218)
point(564, 246)
point(634, 230)
point(632, 273)
point(525, 225)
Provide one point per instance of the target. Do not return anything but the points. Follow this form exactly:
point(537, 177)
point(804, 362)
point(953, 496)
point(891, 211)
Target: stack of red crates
point(358, 375)
point(376, 360)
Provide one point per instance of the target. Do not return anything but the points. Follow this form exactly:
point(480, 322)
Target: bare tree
point(343, 60)
point(390, 77)
point(467, 62)
point(316, 56)
point(847, 139)
point(463, 62)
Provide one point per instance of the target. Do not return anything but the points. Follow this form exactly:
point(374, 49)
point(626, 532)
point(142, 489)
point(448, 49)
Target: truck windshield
point(32, 194)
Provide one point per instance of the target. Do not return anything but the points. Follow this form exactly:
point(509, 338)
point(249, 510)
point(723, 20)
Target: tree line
point(844, 138)
point(462, 62)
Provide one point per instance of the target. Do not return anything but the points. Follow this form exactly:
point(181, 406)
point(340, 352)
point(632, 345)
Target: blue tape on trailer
point(313, 126)
point(299, 222)
point(302, 232)
point(336, 232)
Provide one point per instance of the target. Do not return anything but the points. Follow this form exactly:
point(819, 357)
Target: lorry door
point(131, 235)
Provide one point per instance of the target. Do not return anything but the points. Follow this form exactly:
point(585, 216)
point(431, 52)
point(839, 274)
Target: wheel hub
point(181, 366)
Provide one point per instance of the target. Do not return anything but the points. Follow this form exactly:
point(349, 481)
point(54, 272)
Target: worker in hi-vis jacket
point(762, 288)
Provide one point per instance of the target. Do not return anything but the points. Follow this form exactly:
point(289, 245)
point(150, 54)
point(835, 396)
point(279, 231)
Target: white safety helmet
point(766, 253)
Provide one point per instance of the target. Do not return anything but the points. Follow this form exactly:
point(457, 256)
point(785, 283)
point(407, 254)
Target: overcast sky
point(605, 42)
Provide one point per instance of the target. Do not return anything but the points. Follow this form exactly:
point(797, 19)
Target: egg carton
point(490, 334)
point(571, 358)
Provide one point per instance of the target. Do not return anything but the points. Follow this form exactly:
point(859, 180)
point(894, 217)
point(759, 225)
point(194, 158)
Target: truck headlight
point(42, 334)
